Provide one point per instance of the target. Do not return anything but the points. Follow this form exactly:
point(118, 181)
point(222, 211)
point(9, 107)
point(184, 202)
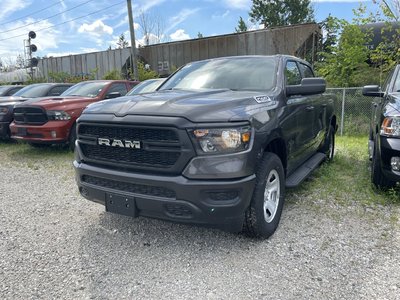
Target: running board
point(304, 170)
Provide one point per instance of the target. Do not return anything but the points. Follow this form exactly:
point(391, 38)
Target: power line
point(95, 12)
point(28, 15)
point(60, 13)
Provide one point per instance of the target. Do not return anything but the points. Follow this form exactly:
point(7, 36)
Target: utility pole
point(133, 44)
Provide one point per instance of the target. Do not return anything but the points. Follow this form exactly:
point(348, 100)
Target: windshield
point(33, 90)
point(239, 73)
point(3, 90)
point(85, 89)
point(146, 87)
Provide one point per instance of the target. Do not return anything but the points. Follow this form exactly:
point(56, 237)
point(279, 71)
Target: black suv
point(384, 137)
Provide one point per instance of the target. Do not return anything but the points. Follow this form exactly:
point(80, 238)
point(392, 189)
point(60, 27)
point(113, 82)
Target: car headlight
point(3, 109)
point(221, 140)
point(58, 115)
point(391, 126)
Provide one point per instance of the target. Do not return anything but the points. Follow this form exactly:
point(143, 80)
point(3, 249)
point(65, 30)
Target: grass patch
point(347, 179)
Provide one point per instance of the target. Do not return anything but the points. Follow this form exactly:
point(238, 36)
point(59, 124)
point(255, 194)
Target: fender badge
point(262, 99)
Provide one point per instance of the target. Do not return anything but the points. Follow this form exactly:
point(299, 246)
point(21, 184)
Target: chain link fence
point(353, 110)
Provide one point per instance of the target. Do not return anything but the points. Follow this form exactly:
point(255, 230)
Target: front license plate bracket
point(122, 205)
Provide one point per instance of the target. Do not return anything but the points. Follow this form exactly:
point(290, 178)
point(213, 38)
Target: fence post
point(342, 119)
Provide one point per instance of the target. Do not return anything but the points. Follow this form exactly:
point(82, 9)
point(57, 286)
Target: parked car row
point(46, 113)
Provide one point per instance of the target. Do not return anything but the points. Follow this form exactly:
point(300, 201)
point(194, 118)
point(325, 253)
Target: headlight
point(3, 109)
point(391, 126)
point(58, 115)
point(221, 140)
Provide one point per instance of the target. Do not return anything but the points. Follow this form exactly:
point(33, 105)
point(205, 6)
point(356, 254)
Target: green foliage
point(143, 73)
point(242, 27)
point(274, 13)
point(344, 62)
point(199, 35)
point(66, 77)
point(113, 75)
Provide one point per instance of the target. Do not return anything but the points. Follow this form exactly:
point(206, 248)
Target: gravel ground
point(56, 245)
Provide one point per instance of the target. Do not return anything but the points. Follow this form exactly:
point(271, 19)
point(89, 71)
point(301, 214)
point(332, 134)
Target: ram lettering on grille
point(119, 143)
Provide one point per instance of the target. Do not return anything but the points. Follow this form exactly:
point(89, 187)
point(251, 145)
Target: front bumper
point(390, 147)
point(50, 132)
point(215, 202)
point(4, 129)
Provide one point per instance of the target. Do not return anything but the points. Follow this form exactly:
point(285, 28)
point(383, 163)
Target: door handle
point(310, 108)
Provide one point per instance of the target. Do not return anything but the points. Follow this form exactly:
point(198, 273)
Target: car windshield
point(146, 87)
point(240, 73)
point(85, 89)
point(33, 90)
point(3, 90)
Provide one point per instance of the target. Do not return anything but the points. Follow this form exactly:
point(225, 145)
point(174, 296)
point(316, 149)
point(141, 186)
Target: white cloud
point(12, 42)
point(179, 35)
point(224, 15)
point(238, 4)
point(97, 28)
point(7, 7)
point(181, 17)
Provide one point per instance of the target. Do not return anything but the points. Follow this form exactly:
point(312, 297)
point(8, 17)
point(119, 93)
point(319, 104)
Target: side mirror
point(113, 95)
point(372, 91)
point(308, 86)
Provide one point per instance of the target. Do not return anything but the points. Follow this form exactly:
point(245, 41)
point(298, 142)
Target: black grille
point(130, 133)
point(130, 187)
point(223, 196)
point(130, 156)
point(30, 115)
point(178, 210)
point(160, 148)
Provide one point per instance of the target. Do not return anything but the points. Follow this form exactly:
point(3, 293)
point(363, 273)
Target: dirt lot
point(338, 239)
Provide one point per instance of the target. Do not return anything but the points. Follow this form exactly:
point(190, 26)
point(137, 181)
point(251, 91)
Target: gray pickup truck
point(215, 145)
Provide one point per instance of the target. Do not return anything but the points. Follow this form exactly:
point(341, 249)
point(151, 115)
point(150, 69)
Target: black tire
point(377, 176)
point(260, 220)
point(72, 138)
point(329, 145)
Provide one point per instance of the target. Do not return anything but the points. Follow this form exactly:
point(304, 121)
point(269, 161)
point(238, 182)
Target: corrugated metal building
point(298, 40)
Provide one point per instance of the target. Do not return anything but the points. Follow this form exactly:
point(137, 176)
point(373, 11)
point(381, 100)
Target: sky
point(79, 26)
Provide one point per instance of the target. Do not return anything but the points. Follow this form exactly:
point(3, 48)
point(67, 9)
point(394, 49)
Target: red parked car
point(51, 120)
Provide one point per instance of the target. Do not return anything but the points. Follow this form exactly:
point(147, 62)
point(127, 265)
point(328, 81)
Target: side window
point(57, 90)
point(117, 87)
point(12, 91)
point(306, 71)
point(292, 73)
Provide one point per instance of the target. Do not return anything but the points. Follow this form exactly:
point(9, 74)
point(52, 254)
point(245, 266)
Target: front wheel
point(263, 215)
point(72, 138)
point(377, 176)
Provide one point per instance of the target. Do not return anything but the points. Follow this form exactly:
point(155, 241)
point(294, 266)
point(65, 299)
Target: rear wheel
point(329, 145)
point(263, 215)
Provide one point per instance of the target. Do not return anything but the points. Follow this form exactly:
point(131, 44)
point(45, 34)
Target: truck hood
point(50, 102)
point(11, 102)
point(11, 98)
point(196, 106)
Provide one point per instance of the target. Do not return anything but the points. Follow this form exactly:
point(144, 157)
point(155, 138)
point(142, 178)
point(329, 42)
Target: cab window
point(292, 73)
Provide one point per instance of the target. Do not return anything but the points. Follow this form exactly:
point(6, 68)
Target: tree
point(199, 35)
point(272, 13)
point(122, 42)
point(152, 28)
point(242, 27)
point(344, 61)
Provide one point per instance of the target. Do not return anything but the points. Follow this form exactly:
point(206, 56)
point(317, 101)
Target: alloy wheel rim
point(271, 196)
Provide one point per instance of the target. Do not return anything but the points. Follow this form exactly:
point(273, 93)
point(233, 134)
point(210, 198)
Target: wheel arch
point(278, 147)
